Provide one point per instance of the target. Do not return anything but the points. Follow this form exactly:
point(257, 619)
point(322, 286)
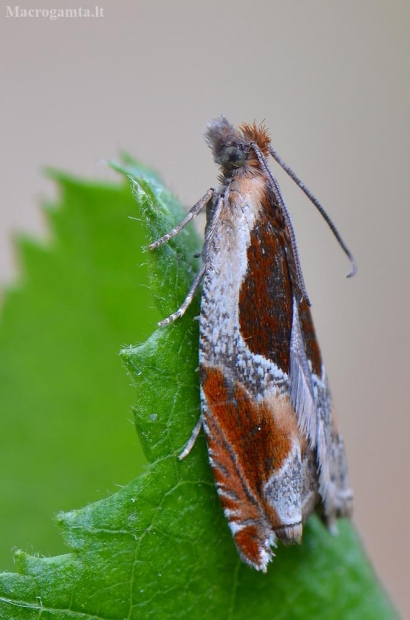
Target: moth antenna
point(314, 200)
point(286, 215)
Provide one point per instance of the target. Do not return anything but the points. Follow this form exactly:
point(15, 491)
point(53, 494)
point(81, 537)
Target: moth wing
point(301, 384)
point(236, 433)
point(334, 486)
point(312, 401)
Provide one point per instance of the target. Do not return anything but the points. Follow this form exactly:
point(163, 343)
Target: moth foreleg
point(192, 213)
point(191, 441)
point(184, 306)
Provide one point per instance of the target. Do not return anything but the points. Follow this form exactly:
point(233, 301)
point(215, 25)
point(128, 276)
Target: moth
point(273, 439)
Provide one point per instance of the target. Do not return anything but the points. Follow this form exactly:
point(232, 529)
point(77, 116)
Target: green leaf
point(160, 547)
point(65, 435)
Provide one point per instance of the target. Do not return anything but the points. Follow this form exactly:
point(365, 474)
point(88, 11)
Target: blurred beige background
point(332, 81)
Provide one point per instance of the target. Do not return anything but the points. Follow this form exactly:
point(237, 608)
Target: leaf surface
point(65, 407)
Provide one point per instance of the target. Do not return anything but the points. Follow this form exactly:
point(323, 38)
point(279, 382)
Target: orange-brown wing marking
point(247, 443)
point(265, 300)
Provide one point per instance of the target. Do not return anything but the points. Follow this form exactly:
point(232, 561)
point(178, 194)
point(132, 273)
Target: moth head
point(231, 147)
point(227, 143)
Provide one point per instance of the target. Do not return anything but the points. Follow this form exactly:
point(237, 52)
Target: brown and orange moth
point(273, 440)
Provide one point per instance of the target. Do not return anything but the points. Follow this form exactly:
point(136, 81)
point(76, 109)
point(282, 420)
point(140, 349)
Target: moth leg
point(191, 441)
point(192, 213)
point(182, 309)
